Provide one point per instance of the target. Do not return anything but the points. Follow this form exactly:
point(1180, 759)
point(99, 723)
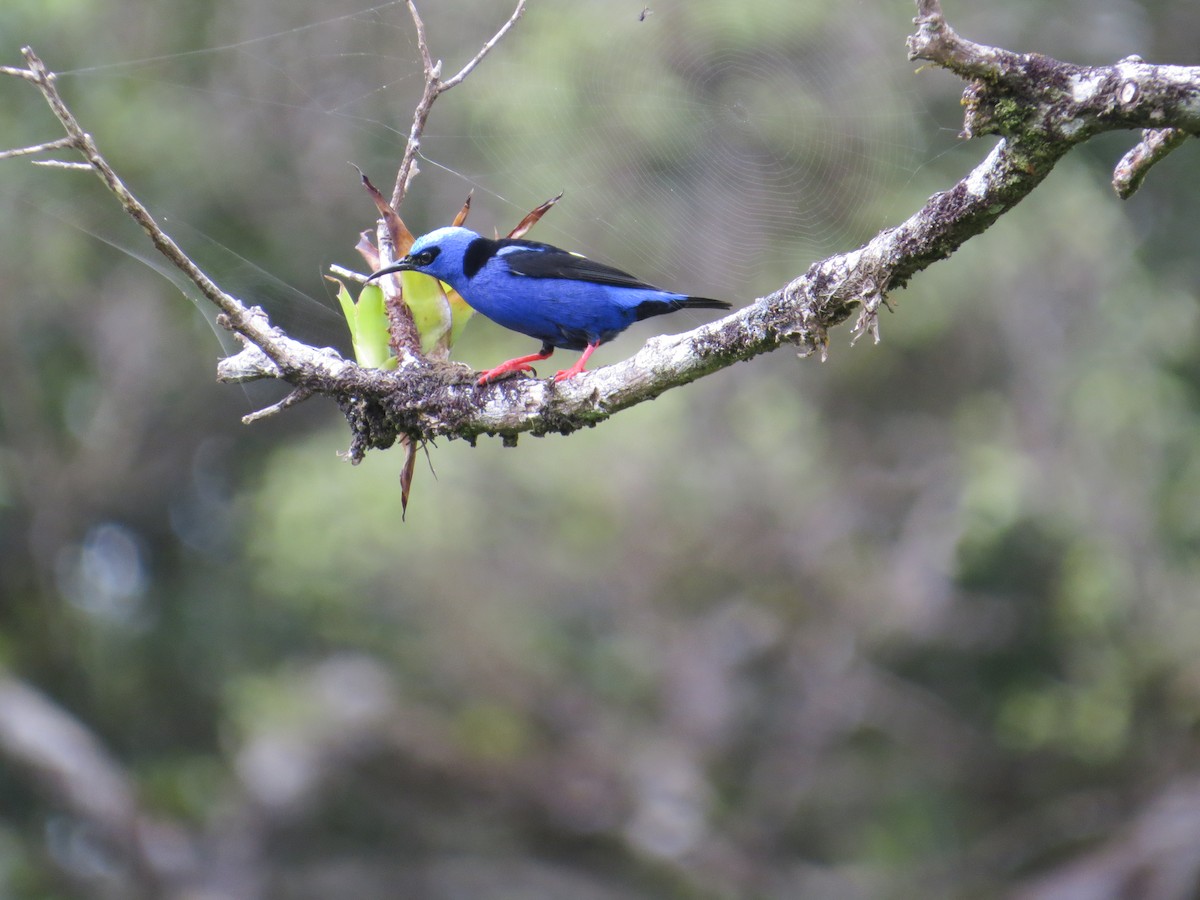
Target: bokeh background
point(923, 620)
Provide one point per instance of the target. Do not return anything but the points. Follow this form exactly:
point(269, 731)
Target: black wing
point(534, 260)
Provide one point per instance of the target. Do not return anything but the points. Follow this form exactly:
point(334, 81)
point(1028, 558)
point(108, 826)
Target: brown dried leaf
point(401, 237)
point(462, 213)
point(367, 250)
point(406, 474)
point(532, 219)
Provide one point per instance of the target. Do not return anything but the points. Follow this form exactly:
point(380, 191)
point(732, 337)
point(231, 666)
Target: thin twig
point(18, 73)
point(236, 312)
point(408, 161)
point(348, 274)
point(486, 49)
point(63, 164)
point(422, 40)
point(1133, 167)
point(60, 144)
point(298, 395)
point(435, 87)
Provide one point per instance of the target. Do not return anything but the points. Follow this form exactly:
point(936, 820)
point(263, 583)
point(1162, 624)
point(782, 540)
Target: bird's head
point(439, 253)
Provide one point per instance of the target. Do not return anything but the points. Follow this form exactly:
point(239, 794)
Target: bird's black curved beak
point(404, 265)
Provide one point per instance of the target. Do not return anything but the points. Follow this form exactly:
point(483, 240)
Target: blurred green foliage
point(918, 621)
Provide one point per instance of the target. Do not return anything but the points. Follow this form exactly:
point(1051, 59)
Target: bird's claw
point(576, 369)
point(500, 372)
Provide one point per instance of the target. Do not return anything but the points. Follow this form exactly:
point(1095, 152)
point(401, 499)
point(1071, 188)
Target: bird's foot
point(578, 367)
point(520, 364)
point(569, 373)
point(504, 370)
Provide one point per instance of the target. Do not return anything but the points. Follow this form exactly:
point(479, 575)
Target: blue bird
point(562, 299)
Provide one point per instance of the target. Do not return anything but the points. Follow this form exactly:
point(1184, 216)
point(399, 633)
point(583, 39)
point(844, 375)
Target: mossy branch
point(1040, 107)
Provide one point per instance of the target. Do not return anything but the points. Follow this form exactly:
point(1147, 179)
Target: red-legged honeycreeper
point(560, 298)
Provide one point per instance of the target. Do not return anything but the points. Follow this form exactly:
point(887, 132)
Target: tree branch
point(1040, 107)
point(434, 88)
point(485, 50)
point(236, 312)
point(61, 144)
point(1135, 165)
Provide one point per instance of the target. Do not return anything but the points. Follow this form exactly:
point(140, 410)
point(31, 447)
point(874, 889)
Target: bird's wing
point(535, 260)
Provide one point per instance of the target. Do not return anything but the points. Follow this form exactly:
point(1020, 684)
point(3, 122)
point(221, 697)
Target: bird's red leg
point(520, 364)
point(579, 364)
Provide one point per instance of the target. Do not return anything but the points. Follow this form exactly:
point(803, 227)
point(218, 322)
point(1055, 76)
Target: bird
point(560, 298)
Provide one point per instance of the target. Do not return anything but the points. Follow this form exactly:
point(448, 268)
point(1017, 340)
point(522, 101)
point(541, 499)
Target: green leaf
point(460, 313)
point(368, 324)
point(439, 313)
point(429, 307)
point(373, 348)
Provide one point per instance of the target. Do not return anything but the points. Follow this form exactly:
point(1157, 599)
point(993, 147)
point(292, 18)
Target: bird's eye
point(425, 257)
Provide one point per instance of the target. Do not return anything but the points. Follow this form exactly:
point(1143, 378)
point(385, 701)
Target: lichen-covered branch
point(1028, 94)
point(1135, 165)
point(1040, 108)
point(428, 401)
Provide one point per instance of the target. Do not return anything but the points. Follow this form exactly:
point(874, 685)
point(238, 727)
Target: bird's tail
point(657, 307)
point(703, 303)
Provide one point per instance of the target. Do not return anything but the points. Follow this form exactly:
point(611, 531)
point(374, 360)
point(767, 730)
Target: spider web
point(725, 144)
point(714, 147)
